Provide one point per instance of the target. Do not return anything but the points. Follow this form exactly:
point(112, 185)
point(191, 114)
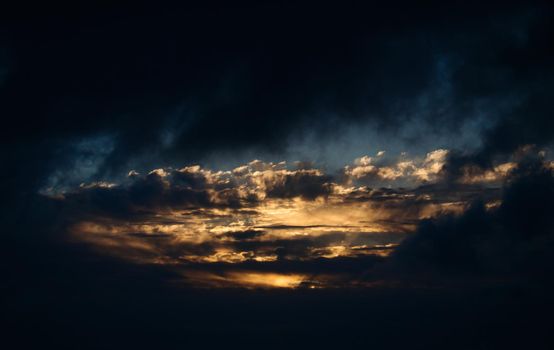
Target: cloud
point(198, 192)
point(203, 103)
point(195, 187)
point(244, 235)
point(404, 171)
point(512, 240)
point(308, 184)
point(258, 216)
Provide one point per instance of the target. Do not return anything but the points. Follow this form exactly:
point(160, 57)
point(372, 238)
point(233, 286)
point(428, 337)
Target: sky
point(271, 174)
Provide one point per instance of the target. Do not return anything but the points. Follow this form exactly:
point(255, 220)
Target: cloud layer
point(262, 218)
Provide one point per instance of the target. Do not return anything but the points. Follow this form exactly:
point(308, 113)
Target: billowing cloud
point(265, 213)
point(407, 171)
point(510, 241)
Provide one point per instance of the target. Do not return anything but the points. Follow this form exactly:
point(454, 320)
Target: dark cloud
point(244, 235)
point(306, 184)
point(142, 197)
point(519, 72)
point(288, 227)
point(160, 190)
point(513, 240)
point(189, 179)
point(167, 94)
point(344, 268)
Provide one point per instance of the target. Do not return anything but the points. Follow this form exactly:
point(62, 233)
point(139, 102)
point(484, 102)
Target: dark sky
point(354, 174)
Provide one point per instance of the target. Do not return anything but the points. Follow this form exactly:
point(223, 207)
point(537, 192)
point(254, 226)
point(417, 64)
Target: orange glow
point(349, 221)
point(267, 280)
point(246, 279)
